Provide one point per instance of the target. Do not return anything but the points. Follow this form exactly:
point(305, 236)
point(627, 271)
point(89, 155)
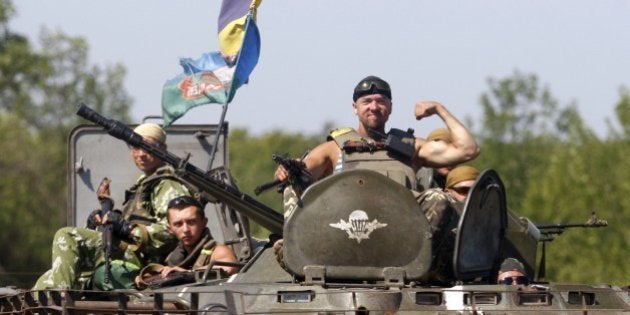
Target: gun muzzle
point(113, 127)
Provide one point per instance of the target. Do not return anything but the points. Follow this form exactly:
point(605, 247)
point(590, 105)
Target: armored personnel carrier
point(356, 243)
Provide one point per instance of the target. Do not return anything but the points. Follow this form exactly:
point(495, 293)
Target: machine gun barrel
point(570, 225)
point(230, 196)
point(548, 230)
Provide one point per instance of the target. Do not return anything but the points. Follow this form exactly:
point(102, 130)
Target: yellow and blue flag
point(215, 76)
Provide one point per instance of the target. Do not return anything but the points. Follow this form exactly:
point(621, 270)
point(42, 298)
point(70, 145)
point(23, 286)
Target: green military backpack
point(122, 275)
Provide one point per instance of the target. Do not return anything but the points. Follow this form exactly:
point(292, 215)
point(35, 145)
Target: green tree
point(556, 170)
point(622, 109)
point(518, 128)
point(39, 93)
point(578, 179)
point(516, 108)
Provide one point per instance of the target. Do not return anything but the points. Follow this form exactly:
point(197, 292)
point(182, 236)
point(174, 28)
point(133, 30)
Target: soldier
point(459, 181)
point(196, 247)
point(348, 148)
point(372, 104)
point(362, 148)
point(141, 230)
point(443, 208)
point(512, 272)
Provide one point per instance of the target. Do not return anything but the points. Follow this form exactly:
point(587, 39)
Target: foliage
point(39, 93)
point(556, 170)
point(517, 108)
point(622, 109)
point(576, 181)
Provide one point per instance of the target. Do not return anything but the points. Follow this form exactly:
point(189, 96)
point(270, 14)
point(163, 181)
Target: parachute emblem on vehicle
point(358, 226)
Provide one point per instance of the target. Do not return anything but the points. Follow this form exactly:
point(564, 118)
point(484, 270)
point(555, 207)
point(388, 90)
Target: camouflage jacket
point(146, 206)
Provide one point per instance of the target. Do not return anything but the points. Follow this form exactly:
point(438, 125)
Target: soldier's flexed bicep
point(462, 147)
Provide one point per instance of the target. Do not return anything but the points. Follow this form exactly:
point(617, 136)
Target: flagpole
point(232, 89)
point(216, 138)
point(245, 61)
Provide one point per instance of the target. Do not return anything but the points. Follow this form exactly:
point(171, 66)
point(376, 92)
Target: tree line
point(39, 91)
point(554, 167)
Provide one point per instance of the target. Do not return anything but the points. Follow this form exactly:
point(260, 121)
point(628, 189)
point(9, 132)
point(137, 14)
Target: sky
point(314, 52)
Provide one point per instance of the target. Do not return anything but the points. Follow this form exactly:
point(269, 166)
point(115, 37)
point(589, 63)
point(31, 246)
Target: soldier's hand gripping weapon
point(299, 176)
point(210, 188)
point(110, 223)
point(97, 221)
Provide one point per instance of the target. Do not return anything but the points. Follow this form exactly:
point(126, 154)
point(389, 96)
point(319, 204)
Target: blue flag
point(247, 57)
point(215, 76)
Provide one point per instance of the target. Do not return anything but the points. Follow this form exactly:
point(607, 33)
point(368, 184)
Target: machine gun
point(210, 188)
point(298, 174)
point(549, 231)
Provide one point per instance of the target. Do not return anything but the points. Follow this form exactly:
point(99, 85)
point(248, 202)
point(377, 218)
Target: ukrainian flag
point(233, 21)
point(239, 39)
point(215, 76)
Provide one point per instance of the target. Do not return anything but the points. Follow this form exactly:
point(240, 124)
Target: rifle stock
point(229, 195)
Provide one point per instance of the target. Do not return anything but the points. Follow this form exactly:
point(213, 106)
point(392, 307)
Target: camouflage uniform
point(442, 211)
point(79, 250)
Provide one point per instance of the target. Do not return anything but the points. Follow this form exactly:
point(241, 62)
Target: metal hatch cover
point(94, 154)
point(481, 228)
point(355, 224)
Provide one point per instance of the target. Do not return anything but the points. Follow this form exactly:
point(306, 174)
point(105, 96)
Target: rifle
point(298, 174)
point(107, 233)
point(183, 277)
point(174, 278)
point(548, 232)
point(209, 187)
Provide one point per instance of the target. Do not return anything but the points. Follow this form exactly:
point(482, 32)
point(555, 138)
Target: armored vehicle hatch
point(481, 229)
point(358, 225)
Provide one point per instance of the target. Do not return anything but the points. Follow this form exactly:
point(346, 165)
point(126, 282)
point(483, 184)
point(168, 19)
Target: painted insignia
point(198, 85)
point(358, 226)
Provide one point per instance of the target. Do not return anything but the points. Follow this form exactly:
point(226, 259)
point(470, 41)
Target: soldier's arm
point(224, 253)
point(439, 153)
point(319, 162)
point(322, 159)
